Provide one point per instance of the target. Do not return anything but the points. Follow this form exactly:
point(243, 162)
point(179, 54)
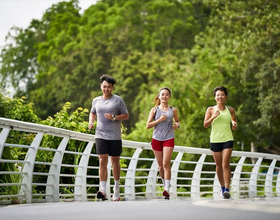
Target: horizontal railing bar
point(17, 145)
point(45, 163)
point(49, 149)
point(43, 174)
point(74, 152)
point(42, 184)
point(13, 161)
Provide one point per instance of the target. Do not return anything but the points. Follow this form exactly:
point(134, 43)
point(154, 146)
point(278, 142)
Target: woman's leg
point(218, 157)
point(159, 157)
point(167, 154)
point(226, 166)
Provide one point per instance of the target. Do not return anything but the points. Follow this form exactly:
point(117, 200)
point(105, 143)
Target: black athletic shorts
point(218, 147)
point(110, 147)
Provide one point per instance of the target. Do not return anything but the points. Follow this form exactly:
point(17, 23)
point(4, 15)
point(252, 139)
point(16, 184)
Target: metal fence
point(40, 173)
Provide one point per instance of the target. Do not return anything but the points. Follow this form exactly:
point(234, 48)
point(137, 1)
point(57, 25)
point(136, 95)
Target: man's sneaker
point(166, 194)
point(116, 195)
point(101, 195)
point(226, 194)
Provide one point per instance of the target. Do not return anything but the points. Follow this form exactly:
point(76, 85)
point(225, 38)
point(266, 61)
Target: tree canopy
point(191, 46)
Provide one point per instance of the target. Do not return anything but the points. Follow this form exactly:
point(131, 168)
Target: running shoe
point(226, 194)
point(101, 195)
point(166, 194)
point(116, 195)
point(222, 194)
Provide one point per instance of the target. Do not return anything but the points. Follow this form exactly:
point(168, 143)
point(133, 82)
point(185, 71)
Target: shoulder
point(117, 97)
point(96, 99)
point(211, 108)
point(231, 109)
point(174, 109)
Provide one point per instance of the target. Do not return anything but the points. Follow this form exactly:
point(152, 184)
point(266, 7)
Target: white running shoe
point(116, 195)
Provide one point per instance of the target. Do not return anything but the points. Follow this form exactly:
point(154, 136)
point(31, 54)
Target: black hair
point(108, 79)
point(220, 88)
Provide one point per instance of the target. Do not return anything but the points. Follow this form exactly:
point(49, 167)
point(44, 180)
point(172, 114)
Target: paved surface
point(255, 209)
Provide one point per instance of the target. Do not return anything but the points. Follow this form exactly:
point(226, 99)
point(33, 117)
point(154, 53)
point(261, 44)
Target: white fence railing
point(41, 172)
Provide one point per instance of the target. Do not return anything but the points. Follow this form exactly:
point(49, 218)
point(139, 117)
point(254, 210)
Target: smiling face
point(107, 89)
point(220, 97)
point(164, 96)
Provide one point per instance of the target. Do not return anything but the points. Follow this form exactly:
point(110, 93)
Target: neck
point(221, 107)
point(106, 97)
point(164, 105)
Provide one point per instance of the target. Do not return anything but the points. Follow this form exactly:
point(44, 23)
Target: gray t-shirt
point(164, 130)
point(105, 128)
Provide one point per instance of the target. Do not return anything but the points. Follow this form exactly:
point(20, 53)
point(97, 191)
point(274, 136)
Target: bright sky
point(20, 13)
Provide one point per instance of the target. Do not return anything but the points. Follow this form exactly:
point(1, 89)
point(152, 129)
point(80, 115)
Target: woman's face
point(106, 88)
point(164, 96)
point(220, 97)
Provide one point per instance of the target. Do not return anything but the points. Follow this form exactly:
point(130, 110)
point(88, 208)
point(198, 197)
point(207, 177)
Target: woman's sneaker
point(116, 195)
point(166, 194)
point(226, 194)
point(101, 195)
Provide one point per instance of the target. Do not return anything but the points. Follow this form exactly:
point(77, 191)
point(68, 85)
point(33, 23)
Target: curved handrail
point(193, 169)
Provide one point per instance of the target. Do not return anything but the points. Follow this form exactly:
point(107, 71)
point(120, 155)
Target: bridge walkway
point(242, 209)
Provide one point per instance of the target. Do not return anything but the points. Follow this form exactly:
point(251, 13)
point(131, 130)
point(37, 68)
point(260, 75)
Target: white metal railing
point(193, 169)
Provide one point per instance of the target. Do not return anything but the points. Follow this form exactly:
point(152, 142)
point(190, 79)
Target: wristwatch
point(114, 117)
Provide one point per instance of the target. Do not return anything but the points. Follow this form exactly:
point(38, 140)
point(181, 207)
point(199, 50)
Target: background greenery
point(191, 46)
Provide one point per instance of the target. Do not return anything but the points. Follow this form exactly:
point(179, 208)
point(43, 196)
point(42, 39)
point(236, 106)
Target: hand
point(234, 125)
point(216, 114)
point(90, 125)
point(163, 117)
point(176, 126)
point(108, 116)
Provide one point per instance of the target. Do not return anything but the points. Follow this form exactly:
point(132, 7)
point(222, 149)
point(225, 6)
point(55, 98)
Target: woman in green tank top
point(222, 120)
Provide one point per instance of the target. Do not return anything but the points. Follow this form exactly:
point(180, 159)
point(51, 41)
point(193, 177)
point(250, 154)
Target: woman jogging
point(161, 118)
point(222, 120)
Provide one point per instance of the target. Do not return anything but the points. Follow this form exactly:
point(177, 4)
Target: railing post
point(28, 168)
point(174, 175)
point(278, 184)
point(254, 179)
point(129, 189)
point(3, 137)
point(235, 187)
point(81, 179)
point(108, 186)
point(195, 188)
point(54, 172)
point(269, 178)
point(152, 181)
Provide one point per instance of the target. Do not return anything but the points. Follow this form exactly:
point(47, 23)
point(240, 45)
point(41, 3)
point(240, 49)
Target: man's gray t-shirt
point(105, 128)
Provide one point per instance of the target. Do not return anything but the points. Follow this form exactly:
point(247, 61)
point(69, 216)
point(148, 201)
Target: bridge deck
point(257, 209)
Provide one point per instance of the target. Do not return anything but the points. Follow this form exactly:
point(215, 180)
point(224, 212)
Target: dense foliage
point(189, 45)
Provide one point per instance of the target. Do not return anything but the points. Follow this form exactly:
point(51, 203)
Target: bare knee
point(166, 165)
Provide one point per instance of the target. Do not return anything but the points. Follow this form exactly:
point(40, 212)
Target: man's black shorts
point(110, 147)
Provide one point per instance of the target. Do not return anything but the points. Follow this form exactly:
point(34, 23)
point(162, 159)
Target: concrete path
point(245, 209)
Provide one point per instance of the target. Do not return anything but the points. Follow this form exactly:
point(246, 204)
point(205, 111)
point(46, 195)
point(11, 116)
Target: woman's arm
point(209, 116)
point(176, 118)
point(151, 123)
point(233, 119)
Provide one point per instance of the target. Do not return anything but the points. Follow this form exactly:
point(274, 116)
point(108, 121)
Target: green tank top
point(220, 127)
